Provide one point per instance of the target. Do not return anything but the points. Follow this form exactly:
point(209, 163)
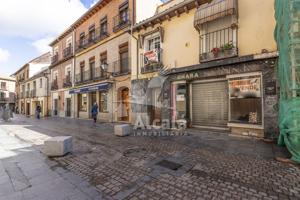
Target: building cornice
point(168, 14)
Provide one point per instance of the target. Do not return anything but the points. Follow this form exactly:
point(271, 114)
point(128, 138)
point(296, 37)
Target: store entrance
point(210, 104)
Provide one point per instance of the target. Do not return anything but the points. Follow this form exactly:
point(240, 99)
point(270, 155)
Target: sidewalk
point(25, 174)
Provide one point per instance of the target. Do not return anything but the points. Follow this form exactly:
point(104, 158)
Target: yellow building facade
point(208, 65)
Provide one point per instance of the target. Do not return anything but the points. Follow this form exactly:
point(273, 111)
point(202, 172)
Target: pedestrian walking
point(95, 112)
point(38, 112)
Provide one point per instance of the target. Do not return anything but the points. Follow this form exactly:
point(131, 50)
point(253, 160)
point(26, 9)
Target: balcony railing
point(67, 52)
point(214, 11)
point(121, 67)
point(67, 82)
point(27, 94)
point(54, 59)
point(152, 61)
point(218, 45)
point(91, 39)
point(121, 21)
point(54, 85)
point(33, 93)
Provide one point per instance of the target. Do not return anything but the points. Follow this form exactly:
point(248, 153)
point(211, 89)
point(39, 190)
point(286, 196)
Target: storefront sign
point(100, 87)
point(188, 76)
point(151, 56)
point(245, 88)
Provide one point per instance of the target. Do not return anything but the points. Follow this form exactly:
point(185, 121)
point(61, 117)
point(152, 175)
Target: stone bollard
point(58, 146)
point(122, 130)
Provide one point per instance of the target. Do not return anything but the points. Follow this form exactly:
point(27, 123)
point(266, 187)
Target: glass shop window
point(246, 100)
point(179, 101)
point(82, 102)
point(103, 102)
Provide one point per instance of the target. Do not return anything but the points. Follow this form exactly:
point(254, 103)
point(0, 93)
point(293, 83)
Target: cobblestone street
point(201, 165)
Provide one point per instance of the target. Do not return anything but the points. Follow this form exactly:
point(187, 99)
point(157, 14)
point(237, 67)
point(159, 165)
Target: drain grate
point(169, 165)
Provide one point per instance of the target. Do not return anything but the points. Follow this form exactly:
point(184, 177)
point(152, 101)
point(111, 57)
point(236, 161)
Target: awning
point(214, 10)
point(157, 82)
point(92, 88)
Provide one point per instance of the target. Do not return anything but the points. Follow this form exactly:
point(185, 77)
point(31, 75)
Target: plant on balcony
point(216, 51)
point(226, 48)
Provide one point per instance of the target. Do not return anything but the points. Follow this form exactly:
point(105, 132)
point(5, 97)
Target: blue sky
point(28, 26)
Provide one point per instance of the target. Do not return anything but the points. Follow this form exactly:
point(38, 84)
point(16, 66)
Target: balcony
point(67, 52)
point(54, 85)
point(121, 67)
point(54, 59)
point(218, 45)
point(4, 88)
point(91, 39)
point(27, 94)
point(33, 93)
point(152, 61)
point(214, 11)
point(67, 82)
point(84, 77)
point(121, 21)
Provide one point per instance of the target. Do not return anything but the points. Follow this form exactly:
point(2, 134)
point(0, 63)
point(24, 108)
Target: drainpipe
point(73, 71)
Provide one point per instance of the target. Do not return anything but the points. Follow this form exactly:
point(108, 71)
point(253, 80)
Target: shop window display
point(246, 100)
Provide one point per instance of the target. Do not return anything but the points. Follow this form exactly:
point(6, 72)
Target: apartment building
point(208, 65)
point(97, 65)
point(62, 74)
point(24, 77)
point(7, 91)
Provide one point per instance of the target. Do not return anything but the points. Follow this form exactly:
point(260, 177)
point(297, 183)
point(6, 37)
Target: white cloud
point(42, 45)
point(34, 19)
point(146, 9)
point(94, 2)
point(4, 55)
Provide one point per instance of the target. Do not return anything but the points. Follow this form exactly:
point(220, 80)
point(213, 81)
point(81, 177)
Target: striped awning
point(214, 10)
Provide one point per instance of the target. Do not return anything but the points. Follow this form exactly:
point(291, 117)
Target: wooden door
point(125, 105)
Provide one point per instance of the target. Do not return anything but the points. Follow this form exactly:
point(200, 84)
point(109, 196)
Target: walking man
point(95, 112)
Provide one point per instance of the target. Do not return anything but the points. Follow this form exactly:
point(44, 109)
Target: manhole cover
point(169, 164)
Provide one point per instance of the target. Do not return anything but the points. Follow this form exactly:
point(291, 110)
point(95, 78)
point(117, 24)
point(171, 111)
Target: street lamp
point(104, 66)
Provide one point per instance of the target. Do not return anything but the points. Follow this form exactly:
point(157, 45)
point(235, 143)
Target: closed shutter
point(210, 104)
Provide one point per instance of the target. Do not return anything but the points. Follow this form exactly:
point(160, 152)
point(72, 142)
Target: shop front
point(85, 97)
point(240, 97)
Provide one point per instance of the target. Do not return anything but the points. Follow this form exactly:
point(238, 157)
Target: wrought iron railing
point(91, 39)
point(67, 52)
point(67, 82)
point(121, 67)
point(219, 44)
point(152, 64)
point(121, 21)
point(54, 85)
point(27, 94)
point(54, 59)
point(33, 93)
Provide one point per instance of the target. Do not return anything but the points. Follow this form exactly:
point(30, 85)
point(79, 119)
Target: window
point(103, 27)
point(92, 67)
point(123, 12)
point(3, 85)
point(34, 85)
point(92, 33)
point(81, 71)
point(103, 61)
point(103, 102)
point(82, 102)
point(153, 43)
point(179, 101)
point(41, 82)
point(245, 100)
point(81, 39)
point(124, 61)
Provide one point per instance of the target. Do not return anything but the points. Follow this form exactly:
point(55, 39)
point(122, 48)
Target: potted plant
point(215, 51)
point(227, 49)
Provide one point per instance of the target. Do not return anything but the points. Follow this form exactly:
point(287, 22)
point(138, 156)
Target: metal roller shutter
point(210, 104)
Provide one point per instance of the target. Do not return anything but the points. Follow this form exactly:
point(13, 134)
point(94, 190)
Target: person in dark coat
point(95, 112)
point(38, 111)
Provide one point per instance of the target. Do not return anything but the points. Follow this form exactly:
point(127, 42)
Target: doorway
point(124, 105)
point(155, 110)
point(55, 107)
point(93, 99)
point(68, 111)
point(28, 108)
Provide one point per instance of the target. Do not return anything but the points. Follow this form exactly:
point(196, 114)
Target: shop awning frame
point(91, 88)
